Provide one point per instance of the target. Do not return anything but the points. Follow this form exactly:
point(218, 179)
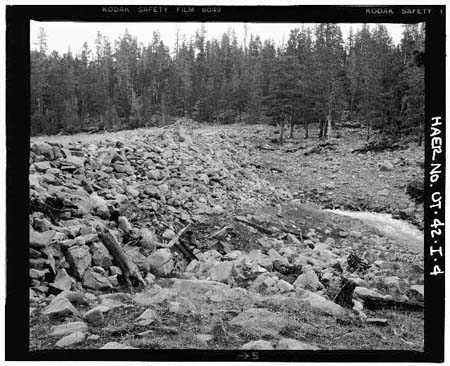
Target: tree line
point(315, 77)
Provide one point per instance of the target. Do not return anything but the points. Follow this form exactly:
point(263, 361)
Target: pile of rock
point(160, 183)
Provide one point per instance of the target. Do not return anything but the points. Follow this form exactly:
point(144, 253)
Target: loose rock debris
point(160, 226)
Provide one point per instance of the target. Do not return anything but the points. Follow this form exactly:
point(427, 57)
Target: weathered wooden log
point(345, 295)
point(253, 225)
point(177, 237)
point(376, 303)
point(125, 264)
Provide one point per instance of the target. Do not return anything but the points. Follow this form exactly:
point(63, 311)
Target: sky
point(62, 35)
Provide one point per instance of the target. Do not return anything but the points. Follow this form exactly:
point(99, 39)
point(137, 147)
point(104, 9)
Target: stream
point(402, 232)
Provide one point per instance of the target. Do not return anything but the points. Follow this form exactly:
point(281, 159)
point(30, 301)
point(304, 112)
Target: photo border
point(18, 19)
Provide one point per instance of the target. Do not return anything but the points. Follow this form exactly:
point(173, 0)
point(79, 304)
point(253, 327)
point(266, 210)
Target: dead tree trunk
point(282, 131)
point(329, 122)
point(125, 264)
point(321, 129)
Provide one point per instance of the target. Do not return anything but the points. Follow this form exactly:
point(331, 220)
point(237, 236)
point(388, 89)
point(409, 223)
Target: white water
point(398, 230)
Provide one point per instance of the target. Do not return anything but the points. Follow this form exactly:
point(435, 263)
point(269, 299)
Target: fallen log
point(253, 225)
point(125, 264)
point(220, 232)
point(183, 249)
point(376, 303)
point(177, 237)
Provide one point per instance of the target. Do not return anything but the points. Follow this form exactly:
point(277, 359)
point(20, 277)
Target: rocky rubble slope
point(177, 203)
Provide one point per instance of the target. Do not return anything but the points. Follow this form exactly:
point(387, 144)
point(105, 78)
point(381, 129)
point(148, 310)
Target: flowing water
point(398, 230)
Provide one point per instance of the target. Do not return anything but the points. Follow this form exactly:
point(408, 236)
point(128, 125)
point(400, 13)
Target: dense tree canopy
point(312, 78)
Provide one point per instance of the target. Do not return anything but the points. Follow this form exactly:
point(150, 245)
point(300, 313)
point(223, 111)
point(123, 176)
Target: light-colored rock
point(363, 292)
point(377, 321)
point(168, 234)
point(36, 273)
point(146, 318)
point(154, 295)
point(135, 255)
point(182, 306)
point(42, 166)
point(193, 266)
point(62, 280)
point(292, 240)
point(69, 328)
point(274, 255)
point(204, 338)
point(60, 307)
point(416, 292)
point(75, 297)
point(161, 262)
point(322, 305)
point(392, 281)
point(42, 148)
point(116, 345)
point(308, 281)
point(386, 166)
point(194, 289)
point(293, 344)
point(259, 345)
point(268, 242)
point(95, 281)
point(100, 255)
point(222, 271)
point(153, 174)
point(94, 316)
point(262, 322)
point(71, 339)
point(261, 259)
point(79, 260)
point(284, 286)
point(41, 240)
